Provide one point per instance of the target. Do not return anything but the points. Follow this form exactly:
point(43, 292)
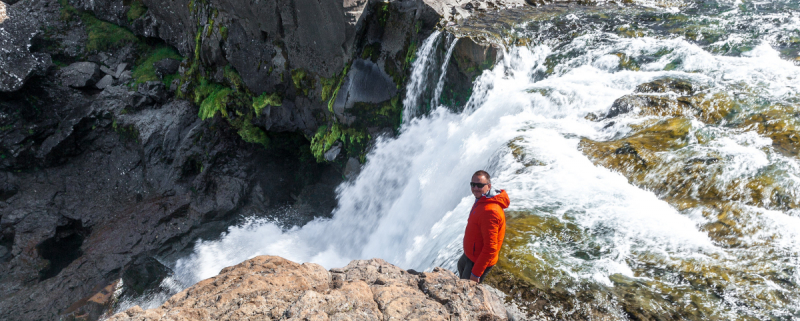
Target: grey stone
point(125, 77)
point(173, 86)
point(80, 74)
point(120, 69)
point(332, 153)
point(107, 70)
point(104, 82)
point(365, 82)
point(166, 66)
point(352, 168)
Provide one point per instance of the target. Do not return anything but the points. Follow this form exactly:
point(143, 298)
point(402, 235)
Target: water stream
point(688, 205)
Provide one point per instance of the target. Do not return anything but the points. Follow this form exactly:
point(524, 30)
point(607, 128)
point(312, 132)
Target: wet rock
point(166, 66)
point(143, 273)
point(275, 288)
point(80, 74)
point(664, 85)
point(473, 58)
point(352, 168)
point(17, 62)
point(365, 82)
point(332, 153)
point(104, 82)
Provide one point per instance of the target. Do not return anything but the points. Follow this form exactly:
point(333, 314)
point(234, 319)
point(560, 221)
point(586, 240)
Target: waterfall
point(420, 72)
point(440, 83)
point(526, 123)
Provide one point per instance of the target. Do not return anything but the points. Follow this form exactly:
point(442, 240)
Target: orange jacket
point(486, 228)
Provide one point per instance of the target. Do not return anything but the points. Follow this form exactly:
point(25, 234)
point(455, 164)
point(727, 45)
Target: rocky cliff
point(271, 288)
point(128, 129)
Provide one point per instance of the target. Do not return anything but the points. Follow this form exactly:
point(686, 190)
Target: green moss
point(371, 52)
point(210, 29)
point(223, 31)
point(385, 114)
point(234, 79)
point(327, 87)
point(198, 40)
point(353, 140)
point(136, 10)
point(338, 86)
point(212, 98)
point(144, 69)
point(302, 81)
point(261, 102)
point(411, 54)
point(101, 35)
point(253, 134)
point(383, 13)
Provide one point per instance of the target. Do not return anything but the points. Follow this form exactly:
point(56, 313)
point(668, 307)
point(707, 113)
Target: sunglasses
point(478, 185)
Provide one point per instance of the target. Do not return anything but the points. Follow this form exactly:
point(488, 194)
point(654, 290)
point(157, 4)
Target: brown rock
point(270, 288)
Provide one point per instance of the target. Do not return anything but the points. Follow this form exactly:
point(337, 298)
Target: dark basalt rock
point(17, 62)
point(104, 82)
point(80, 74)
point(365, 82)
point(166, 66)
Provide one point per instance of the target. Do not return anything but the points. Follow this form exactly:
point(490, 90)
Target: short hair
point(484, 174)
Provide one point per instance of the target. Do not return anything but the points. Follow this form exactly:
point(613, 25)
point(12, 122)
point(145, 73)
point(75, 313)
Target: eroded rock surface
point(18, 25)
point(270, 287)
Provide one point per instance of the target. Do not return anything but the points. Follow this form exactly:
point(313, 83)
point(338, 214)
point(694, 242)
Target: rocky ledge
point(271, 287)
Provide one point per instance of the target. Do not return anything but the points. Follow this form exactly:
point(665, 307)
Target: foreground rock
point(270, 287)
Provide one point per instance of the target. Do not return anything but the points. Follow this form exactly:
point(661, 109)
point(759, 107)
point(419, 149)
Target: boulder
point(125, 76)
point(107, 70)
point(149, 93)
point(366, 83)
point(104, 82)
point(166, 66)
point(271, 287)
point(80, 74)
point(120, 69)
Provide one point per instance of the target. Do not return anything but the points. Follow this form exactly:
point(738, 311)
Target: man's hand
point(474, 278)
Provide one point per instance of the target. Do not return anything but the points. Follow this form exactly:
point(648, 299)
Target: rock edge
point(271, 287)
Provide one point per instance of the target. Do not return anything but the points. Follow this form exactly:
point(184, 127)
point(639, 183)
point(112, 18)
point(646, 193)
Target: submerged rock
point(270, 287)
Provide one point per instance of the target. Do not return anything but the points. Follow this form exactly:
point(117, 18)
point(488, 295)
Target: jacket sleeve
point(490, 228)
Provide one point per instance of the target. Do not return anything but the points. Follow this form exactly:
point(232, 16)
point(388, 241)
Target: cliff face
point(130, 128)
point(271, 288)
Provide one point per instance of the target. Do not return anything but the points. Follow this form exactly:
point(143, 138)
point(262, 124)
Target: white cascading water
point(410, 202)
point(442, 76)
point(420, 72)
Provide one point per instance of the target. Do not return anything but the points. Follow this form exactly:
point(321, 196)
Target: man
point(486, 228)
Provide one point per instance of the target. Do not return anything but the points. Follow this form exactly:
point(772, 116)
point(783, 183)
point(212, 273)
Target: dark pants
point(465, 268)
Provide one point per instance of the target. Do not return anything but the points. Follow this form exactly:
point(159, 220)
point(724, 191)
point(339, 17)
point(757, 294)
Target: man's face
point(478, 191)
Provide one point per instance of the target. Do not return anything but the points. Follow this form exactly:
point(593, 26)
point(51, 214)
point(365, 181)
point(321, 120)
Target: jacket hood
point(496, 196)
